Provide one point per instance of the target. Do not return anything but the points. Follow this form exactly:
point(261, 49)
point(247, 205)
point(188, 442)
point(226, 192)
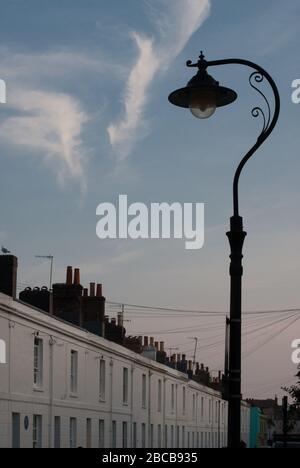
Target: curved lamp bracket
point(270, 115)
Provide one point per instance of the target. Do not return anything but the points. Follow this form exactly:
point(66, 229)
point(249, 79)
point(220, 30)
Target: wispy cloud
point(174, 25)
point(50, 124)
point(40, 67)
point(42, 118)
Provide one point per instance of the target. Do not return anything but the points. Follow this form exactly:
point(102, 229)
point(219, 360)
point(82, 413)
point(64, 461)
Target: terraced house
point(72, 378)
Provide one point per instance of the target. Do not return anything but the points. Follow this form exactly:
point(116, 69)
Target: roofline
point(34, 315)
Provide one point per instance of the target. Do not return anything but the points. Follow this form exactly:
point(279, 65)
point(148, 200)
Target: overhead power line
point(140, 308)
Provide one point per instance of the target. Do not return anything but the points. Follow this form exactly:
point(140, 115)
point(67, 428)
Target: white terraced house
point(64, 385)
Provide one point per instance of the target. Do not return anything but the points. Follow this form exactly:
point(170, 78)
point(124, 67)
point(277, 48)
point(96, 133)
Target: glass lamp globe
point(203, 105)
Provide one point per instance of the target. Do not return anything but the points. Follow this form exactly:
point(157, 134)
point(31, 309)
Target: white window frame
point(114, 434)
point(166, 436)
point(210, 418)
point(134, 435)
point(183, 400)
point(89, 433)
point(151, 435)
point(125, 385)
point(38, 361)
point(57, 432)
point(125, 434)
point(37, 431)
point(172, 437)
point(144, 391)
point(172, 397)
point(159, 396)
point(102, 380)
point(73, 433)
point(202, 408)
point(74, 372)
point(194, 405)
point(101, 433)
point(159, 441)
point(143, 435)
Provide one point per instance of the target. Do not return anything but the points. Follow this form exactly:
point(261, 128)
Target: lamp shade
point(202, 95)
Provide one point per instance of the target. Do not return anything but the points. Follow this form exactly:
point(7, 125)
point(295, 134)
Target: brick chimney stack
point(93, 311)
point(67, 298)
point(161, 355)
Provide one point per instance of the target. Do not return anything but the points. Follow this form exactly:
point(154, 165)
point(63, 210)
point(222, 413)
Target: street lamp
point(203, 95)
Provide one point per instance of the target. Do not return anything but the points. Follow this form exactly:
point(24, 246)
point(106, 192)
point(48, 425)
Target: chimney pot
point(120, 319)
point(156, 345)
point(162, 346)
point(92, 289)
point(76, 276)
point(152, 341)
point(99, 290)
point(146, 341)
point(69, 275)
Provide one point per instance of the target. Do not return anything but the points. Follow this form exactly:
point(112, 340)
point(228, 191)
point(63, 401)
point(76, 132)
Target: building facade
point(64, 387)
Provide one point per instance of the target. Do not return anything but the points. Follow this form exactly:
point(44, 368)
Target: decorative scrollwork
point(201, 64)
point(257, 77)
point(256, 112)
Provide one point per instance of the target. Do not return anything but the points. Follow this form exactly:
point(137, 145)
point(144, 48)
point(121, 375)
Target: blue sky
point(87, 118)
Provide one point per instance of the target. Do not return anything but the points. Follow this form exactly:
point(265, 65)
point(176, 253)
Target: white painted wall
point(19, 324)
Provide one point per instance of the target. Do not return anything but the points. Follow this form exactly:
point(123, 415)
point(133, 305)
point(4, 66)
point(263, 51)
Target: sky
point(87, 118)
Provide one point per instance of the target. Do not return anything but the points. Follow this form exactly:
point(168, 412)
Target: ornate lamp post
point(203, 95)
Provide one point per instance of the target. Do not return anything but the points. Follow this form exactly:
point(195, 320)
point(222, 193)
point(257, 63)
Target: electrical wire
point(134, 307)
point(250, 353)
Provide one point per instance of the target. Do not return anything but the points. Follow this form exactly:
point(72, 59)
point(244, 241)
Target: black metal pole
point(285, 420)
point(236, 237)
